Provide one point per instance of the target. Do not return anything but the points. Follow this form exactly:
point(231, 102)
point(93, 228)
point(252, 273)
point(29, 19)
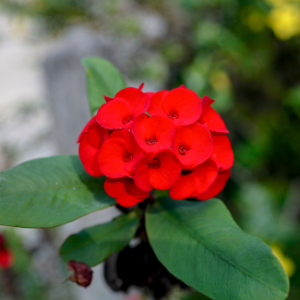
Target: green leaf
point(48, 192)
point(93, 245)
point(200, 243)
point(103, 78)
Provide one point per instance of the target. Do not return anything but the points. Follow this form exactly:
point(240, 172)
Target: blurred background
point(244, 54)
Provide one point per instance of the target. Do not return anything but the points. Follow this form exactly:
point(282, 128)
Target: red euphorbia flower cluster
point(169, 140)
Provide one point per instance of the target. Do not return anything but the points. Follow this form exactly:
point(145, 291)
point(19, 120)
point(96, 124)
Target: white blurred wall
point(26, 132)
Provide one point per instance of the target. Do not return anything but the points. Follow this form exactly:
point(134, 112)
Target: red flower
point(183, 146)
point(211, 118)
point(6, 259)
point(158, 170)
point(222, 153)
point(90, 141)
point(125, 191)
point(153, 133)
point(85, 129)
point(119, 155)
point(120, 111)
point(192, 144)
point(6, 256)
point(194, 182)
point(180, 105)
point(217, 186)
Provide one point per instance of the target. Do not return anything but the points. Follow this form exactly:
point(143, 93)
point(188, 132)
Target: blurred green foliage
point(55, 14)
point(21, 279)
point(245, 55)
point(28, 277)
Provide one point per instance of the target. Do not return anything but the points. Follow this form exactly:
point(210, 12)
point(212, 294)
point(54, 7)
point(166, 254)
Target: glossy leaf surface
point(48, 192)
point(103, 78)
point(93, 245)
point(200, 243)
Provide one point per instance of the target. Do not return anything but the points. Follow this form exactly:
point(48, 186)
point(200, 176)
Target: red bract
point(217, 186)
point(211, 118)
point(90, 141)
point(120, 111)
point(192, 144)
point(182, 146)
point(153, 133)
point(180, 105)
point(194, 182)
point(85, 129)
point(157, 170)
point(125, 191)
point(222, 153)
point(119, 155)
